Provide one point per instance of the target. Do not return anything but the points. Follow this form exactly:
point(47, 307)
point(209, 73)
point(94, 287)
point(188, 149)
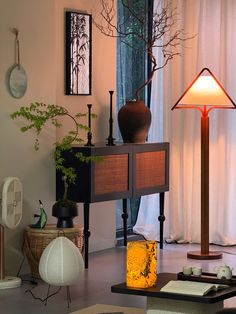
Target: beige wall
point(41, 27)
point(36, 23)
point(103, 80)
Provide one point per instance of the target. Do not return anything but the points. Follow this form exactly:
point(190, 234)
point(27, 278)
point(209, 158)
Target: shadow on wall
point(102, 130)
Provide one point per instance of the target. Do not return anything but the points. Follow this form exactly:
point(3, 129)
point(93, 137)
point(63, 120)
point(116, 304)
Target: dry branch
point(165, 33)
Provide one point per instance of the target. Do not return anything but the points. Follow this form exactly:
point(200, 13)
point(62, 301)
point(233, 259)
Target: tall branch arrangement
point(165, 35)
point(37, 115)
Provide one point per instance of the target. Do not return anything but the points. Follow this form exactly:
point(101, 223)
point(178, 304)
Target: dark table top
point(163, 279)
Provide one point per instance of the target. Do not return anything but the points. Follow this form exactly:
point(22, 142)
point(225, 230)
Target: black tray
point(207, 277)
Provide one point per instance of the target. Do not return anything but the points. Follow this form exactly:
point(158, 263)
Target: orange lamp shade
point(205, 92)
point(141, 264)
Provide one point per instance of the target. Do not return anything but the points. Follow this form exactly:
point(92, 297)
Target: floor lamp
point(205, 93)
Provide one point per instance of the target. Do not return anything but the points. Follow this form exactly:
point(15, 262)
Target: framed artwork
point(78, 53)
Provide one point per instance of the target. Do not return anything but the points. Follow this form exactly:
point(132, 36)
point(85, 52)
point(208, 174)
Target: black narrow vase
point(134, 120)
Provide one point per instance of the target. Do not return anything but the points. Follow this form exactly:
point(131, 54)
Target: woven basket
point(35, 241)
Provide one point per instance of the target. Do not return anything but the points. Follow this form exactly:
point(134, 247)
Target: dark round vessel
point(65, 211)
point(134, 120)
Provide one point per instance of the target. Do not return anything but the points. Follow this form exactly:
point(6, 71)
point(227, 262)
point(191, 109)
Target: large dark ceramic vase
point(134, 120)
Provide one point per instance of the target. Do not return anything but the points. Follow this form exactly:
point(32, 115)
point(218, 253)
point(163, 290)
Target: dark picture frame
point(78, 61)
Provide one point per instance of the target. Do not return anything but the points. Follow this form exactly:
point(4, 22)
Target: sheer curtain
point(213, 22)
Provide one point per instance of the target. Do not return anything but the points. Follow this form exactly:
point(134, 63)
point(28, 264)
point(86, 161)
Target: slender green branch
point(37, 115)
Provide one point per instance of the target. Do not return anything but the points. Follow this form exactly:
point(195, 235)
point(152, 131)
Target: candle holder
point(110, 139)
point(89, 134)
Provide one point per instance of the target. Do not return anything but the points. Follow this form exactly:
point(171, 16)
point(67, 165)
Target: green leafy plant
point(36, 116)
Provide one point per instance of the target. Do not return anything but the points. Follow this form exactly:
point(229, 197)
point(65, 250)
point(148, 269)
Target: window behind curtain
point(131, 58)
point(132, 69)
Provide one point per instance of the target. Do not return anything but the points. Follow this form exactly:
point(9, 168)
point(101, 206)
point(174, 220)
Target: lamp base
point(200, 255)
point(10, 282)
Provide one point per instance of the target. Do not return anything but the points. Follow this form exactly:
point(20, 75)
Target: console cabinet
point(124, 171)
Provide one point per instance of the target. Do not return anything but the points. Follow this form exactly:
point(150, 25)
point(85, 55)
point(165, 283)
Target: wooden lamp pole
point(205, 184)
point(204, 253)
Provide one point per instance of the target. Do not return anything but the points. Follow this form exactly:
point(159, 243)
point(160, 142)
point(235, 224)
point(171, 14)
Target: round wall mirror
point(17, 81)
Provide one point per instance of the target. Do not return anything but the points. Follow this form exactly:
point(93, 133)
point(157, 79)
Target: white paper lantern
point(61, 263)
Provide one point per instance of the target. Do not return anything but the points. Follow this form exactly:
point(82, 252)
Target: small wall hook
point(15, 31)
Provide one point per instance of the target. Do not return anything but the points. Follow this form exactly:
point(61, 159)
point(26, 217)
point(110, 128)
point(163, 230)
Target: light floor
point(105, 269)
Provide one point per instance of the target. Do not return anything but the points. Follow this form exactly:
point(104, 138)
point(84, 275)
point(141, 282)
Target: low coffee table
point(164, 302)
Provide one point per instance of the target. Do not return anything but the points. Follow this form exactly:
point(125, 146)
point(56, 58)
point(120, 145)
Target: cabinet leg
point(161, 218)
point(125, 217)
point(86, 234)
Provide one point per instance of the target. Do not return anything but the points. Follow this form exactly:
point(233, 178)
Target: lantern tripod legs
point(46, 299)
point(68, 296)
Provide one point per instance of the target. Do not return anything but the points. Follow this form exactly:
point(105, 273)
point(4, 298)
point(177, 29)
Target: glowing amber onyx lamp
point(141, 264)
point(205, 93)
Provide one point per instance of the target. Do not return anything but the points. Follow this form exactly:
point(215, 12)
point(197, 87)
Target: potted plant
point(134, 27)
point(36, 116)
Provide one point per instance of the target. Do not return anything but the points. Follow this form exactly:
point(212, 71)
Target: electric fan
point(10, 217)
